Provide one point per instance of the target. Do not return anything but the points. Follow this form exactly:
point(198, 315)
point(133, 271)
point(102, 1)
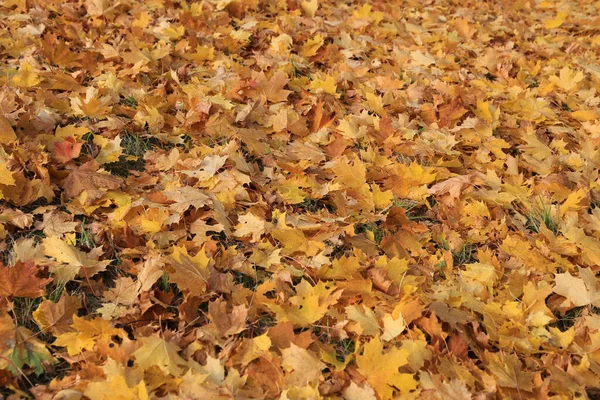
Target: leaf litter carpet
point(299, 199)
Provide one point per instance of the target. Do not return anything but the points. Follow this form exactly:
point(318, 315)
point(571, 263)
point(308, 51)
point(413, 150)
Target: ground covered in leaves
point(299, 200)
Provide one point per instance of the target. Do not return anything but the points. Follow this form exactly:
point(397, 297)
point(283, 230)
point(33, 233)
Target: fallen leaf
point(381, 369)
point(21, 280)
point(155, 351)
point(57, 317)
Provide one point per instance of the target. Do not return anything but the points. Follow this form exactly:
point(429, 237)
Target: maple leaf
point(324, 84)
point(87, 178)
point(189, 273)
point(57, 317)
point(508, 371)
point(311, 46)
point(6, 176)
point(7, 133)
point(110, 150)
point(116, 387)
point(25, 349)
point(560, 18)
point(26, 77)
point(452, 188)
point(155, 351)
point(56, 224)
point(205, 168)
point(91, 106)
point(392, 326)
point(250, 224)
point(366, 320)
point(251, 349)
point(186, 197)
point(309, 305)
point(71, 259)
point(228, 323)
point(303, 366)
point(381, 369)
point(579, 291)
point(272, 88)
point(87, 334)
point(21, 280)
point(355, 392)
point(310, 7)
point(66, 150)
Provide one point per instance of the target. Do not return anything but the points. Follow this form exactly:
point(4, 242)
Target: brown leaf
point(273, 88)
point(458, 347)
point(451, 188)
point(229, 320)
point(87, 178)
point(21, 280)
point(57, 317)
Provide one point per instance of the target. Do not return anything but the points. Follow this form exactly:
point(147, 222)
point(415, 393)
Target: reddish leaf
point(66, 150)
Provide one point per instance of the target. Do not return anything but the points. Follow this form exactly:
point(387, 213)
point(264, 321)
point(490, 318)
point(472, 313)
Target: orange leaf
point(21, 280)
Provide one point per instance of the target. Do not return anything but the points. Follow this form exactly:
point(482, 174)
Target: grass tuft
point(464, 255)
point(314, 205)
point(543, 213)
point(133, 146)
point(566, 321)
point(130, 101)
point(373, 227)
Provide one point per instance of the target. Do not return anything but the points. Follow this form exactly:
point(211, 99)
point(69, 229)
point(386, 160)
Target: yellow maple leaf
point(381, 369)
point(257, 347)
point(349, 173)
point(156, 351)
point(115, 387)
point(310, 7)
point(7, 133)
point(375, 103)
point(63, 132)
point(110, 150)
point(365, 320)
point(169, 31)
point(203, 53)
point(250, 224)
point(410, 181)
point(392, 326)
point(365, 12)
point(351, 127)
point(584, 115)
point(311, 46)
point(91, 106)
point(302, 366)
point(87, 334)
point(579, 291)
point(560, 18)
point(281, 43)
point(6, 175)
point(149, 221)
point(309, 305)
point(71, 259)
point(294, 240)
point(381, 198)
point(572, 201)
point(567, 79)
point(26, 77)
point(324, 84)
point(151, 117)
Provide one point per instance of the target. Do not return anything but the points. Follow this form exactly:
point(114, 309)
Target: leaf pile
point(299, 199)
